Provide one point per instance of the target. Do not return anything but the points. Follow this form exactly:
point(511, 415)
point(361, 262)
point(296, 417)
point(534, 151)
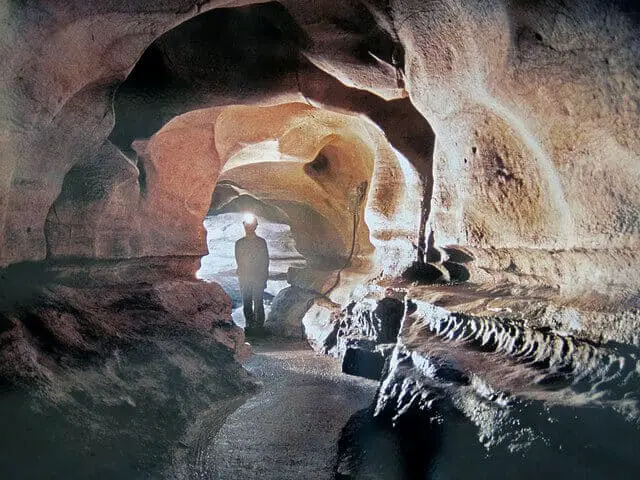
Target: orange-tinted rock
point(536, 120)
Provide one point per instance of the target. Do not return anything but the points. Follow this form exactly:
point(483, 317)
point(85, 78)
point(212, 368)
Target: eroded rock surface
point(535, 111)
point(287, 310)
point(97, 359)
point(495, 369)
point(522, 128)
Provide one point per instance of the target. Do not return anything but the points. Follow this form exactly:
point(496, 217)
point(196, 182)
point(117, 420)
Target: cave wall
point(61, 63)
point(110, 201)
point(320, 168)
point(550, 108)
point(535, 107)
point(535, 110)
point(537, 136)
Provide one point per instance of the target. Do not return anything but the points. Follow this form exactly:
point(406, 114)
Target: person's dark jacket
point(252, 258)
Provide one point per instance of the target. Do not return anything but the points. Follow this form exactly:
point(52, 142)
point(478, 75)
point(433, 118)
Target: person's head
point(250, 223)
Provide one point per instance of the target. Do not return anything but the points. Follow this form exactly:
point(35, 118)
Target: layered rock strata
point(105, 366)
point(495, 361)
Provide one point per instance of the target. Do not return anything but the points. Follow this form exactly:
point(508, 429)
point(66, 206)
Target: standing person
point(252, 258)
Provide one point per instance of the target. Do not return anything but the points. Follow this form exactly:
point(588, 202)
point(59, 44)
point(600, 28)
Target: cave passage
point(342, 181)
point(463, 306)
point(337, 178)
point(223, 229)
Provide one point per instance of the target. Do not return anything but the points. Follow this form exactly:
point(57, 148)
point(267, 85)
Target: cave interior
point(450, 192)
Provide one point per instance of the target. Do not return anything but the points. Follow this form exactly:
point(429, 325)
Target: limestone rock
point(89, 314)
point(521, 127)
point(533, 107)
point(319, 324)
point(118, 359)
point(287, 310)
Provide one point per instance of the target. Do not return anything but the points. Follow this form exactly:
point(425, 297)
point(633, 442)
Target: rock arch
point(563, 124)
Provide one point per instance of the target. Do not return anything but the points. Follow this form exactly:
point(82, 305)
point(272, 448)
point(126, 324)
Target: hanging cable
point(355, 201)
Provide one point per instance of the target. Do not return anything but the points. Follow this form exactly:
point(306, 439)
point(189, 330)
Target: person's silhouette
point(252, 258)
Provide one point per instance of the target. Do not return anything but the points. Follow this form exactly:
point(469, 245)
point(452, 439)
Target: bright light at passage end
point(249, 218)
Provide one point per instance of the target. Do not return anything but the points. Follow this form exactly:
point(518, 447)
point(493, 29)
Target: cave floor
point(290, 429)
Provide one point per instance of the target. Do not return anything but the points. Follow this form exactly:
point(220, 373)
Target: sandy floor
point(291, 428)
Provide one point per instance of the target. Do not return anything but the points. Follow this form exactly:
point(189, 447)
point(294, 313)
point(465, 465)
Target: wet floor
point(290, 430)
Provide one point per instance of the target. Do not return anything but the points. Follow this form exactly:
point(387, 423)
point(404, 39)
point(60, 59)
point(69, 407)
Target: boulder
point(287, 310)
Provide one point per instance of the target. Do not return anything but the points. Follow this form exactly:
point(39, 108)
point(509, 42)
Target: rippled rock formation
point(506, 357)
point(503, 372)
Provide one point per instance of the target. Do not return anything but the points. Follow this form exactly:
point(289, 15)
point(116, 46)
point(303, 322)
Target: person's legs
point(258, 305)
point(247, 304)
